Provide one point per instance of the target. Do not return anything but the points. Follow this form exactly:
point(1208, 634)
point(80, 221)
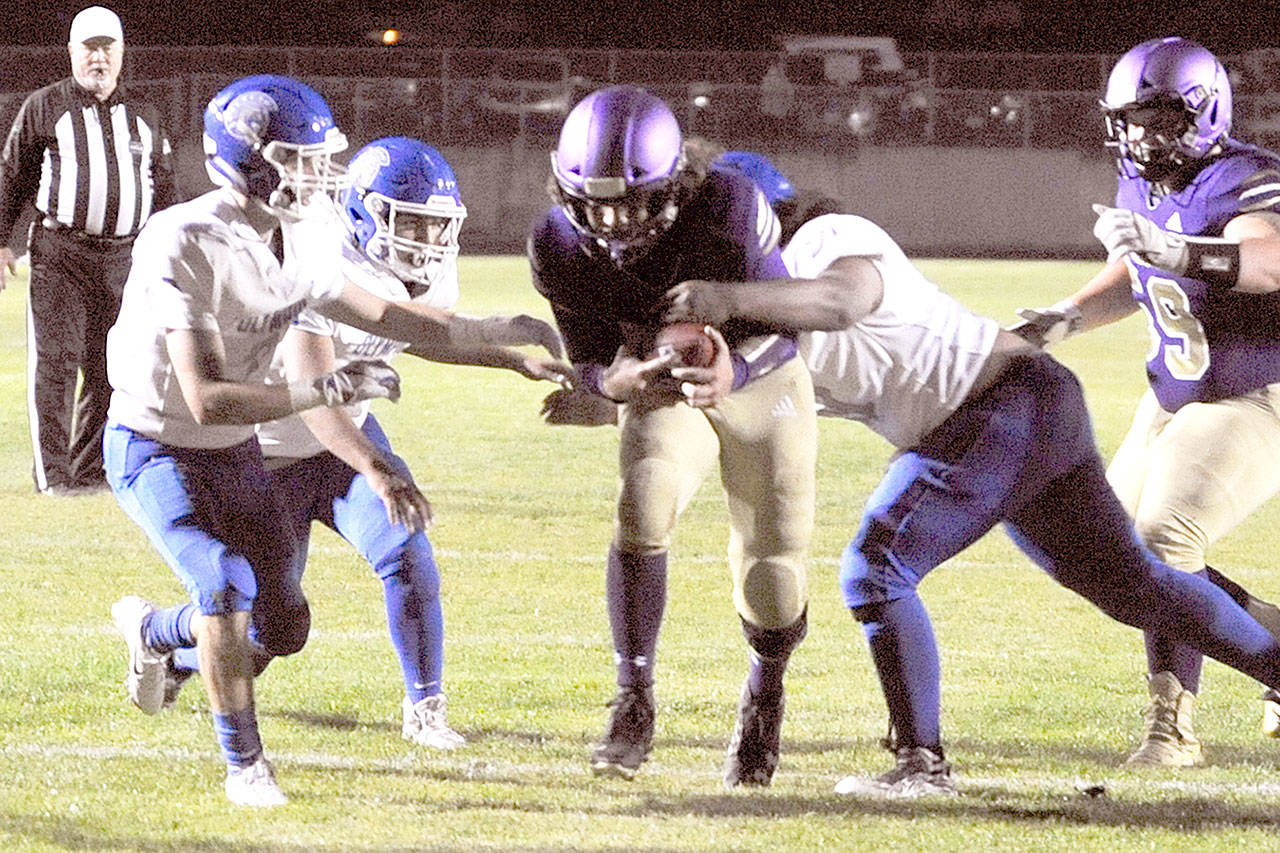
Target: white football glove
point(1123, 231)
point(520, 330)
point(359, 380)
point(1045, 326)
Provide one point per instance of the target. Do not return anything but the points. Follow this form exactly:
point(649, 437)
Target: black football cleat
point(757, 740)
point(629, 738)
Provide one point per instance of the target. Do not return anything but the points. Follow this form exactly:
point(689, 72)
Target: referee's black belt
point(97, 240)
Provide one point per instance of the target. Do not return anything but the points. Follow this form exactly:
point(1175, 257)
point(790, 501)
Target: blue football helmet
point(618, 166)
point(273, 139)
point(757, 167)
point(1181, 96)
point(403, 209)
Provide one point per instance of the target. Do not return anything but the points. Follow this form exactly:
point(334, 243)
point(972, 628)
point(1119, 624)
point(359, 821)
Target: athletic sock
point(636, 589)
point(770, 652)
point(906, 658)
point(237, 734)
point(170, 628)
point(415, 619)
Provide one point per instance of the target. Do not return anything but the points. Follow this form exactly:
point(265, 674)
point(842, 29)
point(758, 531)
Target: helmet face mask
point(308, 173)
point(403, 209)
point(272, 139)
point(618, 169)
point(1167, 105)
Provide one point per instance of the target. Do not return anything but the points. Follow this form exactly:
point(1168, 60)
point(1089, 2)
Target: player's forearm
point(484, 356)
point(1105, 298)
point(334, 429)
point(224, 403)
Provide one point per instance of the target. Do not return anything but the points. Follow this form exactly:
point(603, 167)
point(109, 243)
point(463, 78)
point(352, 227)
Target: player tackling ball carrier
point(636, 211)
point(990, 430)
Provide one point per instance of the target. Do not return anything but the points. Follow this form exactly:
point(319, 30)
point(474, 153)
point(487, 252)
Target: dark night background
point(1105, 26)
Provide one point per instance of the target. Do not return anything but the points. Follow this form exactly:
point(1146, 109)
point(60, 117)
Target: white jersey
point(327, 244)
point(201, 266)
point(907, 365)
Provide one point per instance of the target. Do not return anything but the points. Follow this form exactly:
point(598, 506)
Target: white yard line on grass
point(485, 769)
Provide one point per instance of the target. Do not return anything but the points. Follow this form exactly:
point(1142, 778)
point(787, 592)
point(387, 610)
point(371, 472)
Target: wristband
point(1215, 262)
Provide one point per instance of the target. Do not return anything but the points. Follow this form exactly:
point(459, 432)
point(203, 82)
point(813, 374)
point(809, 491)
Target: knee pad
point(867, 575)
point(285, 631)
point(411, 564)
point(772, 591)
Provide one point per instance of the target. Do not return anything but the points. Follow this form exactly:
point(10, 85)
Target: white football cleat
point(425, 724)
point(920, 772)
point(145, 680)
point(254, 785)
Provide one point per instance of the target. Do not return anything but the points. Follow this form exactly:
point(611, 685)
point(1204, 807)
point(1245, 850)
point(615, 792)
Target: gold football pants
point(1188, 477)
point(765, 437)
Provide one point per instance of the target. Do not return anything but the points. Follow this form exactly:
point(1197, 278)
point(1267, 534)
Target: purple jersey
point(725, 232)
point(1207, 343)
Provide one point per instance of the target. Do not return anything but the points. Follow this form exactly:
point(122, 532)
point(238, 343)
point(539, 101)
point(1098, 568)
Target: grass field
point(1042, 694)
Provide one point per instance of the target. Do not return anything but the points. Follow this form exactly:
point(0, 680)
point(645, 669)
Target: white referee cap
point(95, 22)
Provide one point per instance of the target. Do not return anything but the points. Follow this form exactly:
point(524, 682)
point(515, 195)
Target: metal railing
point(482, 97)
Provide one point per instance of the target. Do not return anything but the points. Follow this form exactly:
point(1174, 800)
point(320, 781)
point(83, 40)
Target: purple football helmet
point(618, 166)
point(1179, 93)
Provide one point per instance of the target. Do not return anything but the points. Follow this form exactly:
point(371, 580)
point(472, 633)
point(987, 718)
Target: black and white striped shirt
point(95, 167)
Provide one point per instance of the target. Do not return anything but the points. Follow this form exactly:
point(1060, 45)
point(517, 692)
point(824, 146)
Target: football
point(689, 340)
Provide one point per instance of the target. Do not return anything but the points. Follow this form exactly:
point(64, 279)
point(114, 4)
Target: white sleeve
point(176, 277)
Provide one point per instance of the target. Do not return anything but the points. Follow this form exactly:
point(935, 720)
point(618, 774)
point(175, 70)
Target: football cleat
point(1168, 739)
point(1271, 712)
point(629, 738)
point(756, 742)
point(920, 772)
point(425, 724)
point(145, 679)
point(254, 785)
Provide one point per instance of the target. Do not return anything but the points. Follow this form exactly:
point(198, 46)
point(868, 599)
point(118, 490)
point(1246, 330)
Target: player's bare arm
point(433, 330)
point(199, 361)
point(1259, 238)
point(529, 366)
point(1103, 299)
point(845, 292)
point(308, 357)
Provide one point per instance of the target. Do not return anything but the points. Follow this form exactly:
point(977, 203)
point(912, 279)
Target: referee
point(93, 164)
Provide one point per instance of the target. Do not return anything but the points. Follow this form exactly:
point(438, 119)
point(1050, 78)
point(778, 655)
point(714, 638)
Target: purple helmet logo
point(617, 167)
point(1179, 92)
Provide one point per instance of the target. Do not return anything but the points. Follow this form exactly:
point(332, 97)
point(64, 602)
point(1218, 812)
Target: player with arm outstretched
point(636, 211)
point(989, 430)
point(398, 238)
point(1194, 242)
point(205, 306)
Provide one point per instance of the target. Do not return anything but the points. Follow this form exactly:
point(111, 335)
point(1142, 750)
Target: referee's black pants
point(76, 283)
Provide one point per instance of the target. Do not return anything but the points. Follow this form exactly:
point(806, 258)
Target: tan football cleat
point(1168, 740)
point(1271, 712)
